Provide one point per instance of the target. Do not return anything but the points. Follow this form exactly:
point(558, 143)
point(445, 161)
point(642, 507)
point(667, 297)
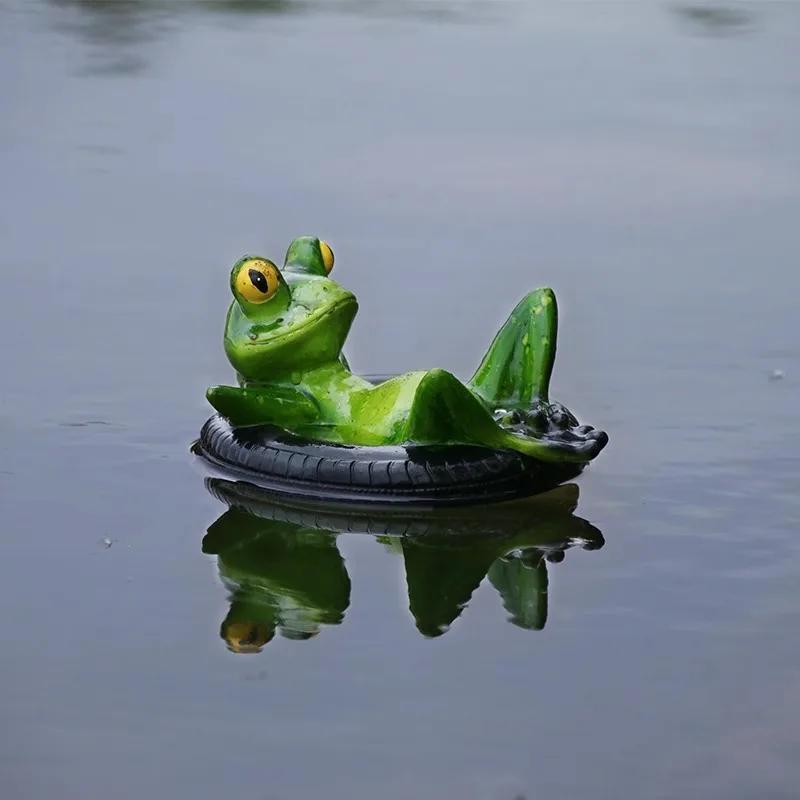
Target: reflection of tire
point(427, 475)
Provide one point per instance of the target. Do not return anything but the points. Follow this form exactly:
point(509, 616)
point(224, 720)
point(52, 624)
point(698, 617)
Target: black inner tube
point(423, 475)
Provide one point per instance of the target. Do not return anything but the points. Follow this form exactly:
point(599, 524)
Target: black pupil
point(259, 281)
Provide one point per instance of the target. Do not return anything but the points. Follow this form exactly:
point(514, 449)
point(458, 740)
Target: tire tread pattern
point(458, 472)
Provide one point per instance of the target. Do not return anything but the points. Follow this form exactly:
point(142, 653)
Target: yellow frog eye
point(327, 256)
point(257, 280)
point(246, 637)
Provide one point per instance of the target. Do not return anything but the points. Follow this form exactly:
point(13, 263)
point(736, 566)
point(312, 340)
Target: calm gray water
point(641, 158)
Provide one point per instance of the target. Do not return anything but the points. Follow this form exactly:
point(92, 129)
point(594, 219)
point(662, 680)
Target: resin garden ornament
point(301, 423)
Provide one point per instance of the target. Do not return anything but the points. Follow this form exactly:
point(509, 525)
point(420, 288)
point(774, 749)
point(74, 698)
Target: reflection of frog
point(284, 335)
point(284, 572)
point(278, 582)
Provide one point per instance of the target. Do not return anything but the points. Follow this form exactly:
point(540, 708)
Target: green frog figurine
point(284, 335)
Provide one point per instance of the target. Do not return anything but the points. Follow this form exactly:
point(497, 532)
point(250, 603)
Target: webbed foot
point(556, 428)
point(513, 382)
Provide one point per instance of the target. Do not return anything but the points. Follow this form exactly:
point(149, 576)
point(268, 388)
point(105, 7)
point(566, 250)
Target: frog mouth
point(312, 320)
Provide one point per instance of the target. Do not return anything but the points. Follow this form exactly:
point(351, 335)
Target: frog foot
point(554, 426)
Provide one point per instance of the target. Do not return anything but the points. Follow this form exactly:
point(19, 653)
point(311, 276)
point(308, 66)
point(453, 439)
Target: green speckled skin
point(287, 353)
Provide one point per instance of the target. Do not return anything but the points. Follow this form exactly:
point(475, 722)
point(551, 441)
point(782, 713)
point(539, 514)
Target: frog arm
point(284, 406)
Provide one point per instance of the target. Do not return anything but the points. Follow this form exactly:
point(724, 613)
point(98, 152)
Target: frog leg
point(284, 406)
point(516, 370)
point(445, 411)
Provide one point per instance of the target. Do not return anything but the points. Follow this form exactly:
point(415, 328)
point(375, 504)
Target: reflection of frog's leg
point(444, 411)
point(441, 579)
point(521, 581)
point(517, 367)
point(284, 406)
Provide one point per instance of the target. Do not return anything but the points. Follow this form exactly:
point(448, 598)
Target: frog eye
point(246, 637)
point(327, 255)
point(257, 280)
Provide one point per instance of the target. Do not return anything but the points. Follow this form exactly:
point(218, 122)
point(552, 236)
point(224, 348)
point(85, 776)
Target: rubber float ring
point(423, 475)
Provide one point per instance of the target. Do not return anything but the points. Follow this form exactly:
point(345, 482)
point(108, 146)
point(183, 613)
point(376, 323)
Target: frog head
point(246, 637)
point(287, 320)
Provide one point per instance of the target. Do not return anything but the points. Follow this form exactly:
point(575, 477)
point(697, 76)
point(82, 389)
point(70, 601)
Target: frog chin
point(342, 307)
point(317, 338)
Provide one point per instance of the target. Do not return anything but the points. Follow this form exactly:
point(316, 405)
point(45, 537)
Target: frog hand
point(284, 406)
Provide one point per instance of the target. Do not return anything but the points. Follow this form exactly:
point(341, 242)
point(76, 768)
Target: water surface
point(642, 159)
